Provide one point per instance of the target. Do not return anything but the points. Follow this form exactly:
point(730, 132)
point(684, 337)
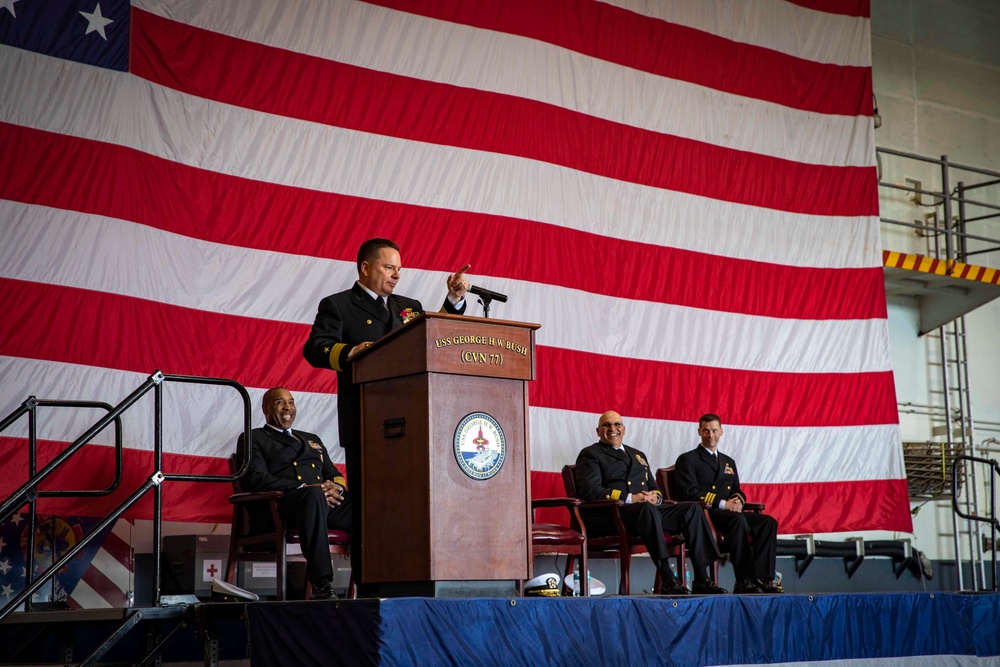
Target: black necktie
point(384, 302)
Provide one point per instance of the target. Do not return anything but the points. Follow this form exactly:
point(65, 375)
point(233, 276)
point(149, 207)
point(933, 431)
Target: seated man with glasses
point(609, 469)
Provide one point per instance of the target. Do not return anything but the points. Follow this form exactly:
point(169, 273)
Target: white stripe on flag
point(771, 455)
point(772, 24)
point(454, 54)
point(238, 281)
point(268, 148)
point(866, 452)
point(88, 598)
point(210, 432)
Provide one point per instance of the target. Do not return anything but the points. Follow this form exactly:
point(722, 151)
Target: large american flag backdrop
point(683, 194)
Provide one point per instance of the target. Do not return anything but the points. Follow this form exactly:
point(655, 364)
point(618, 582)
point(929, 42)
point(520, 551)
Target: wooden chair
point(621, 545)
point(268, 539)
point(667, 481)
point(552, 539)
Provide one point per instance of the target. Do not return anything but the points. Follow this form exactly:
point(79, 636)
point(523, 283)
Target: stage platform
point(885, 629)
point(910, 629)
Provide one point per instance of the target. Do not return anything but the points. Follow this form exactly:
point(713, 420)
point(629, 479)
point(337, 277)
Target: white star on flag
point(4, 566)
point(96, 22)
point(16, 519)
point(7, 591)
point(9, 6)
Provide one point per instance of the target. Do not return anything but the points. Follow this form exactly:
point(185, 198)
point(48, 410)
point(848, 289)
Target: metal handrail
point(946, 198)
point(28, 493)
point(968, 516)
point(30, 407)
point(934, 160)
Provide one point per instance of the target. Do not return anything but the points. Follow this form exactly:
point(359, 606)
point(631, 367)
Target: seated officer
point(609, 469)
point(315, 497)
point(707, 474)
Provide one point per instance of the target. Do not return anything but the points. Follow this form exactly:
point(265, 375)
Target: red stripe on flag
point(594, 383)
point(254, 76)
point(651, 45)
point(219, 208)
point(827, 507)
point(141, 336)
point(93, 468)
point(815, 507)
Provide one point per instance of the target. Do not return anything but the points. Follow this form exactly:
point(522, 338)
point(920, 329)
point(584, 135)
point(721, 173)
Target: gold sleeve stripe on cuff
point(709, 497)
point(340, 480)
point(335, 356)
point(616, 494)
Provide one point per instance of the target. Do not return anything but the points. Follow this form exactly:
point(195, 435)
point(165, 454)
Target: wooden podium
point(444, 451)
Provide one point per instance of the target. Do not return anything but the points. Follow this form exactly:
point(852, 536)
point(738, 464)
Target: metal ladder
point(958, 427)
point(959, 432)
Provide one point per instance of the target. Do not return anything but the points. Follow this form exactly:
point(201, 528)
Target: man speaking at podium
point(349, 322)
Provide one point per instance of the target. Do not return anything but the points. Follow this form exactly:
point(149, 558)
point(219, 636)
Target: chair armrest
point(606, 504)
point(753, 507)
point(251, 496)
point(700, 503)
point(613, 506)
point(555, 502)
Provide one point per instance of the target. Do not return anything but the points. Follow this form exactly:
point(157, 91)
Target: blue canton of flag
point(94, 32)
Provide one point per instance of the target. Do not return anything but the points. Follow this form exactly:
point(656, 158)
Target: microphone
point(488, 294)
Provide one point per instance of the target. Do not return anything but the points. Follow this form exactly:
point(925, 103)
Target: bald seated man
point(609, 469)
point(316, 496)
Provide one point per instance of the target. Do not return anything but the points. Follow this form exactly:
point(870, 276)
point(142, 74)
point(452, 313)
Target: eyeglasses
point(610, 424)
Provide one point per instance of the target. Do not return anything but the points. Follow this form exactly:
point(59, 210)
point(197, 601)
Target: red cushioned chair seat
point(551, 533)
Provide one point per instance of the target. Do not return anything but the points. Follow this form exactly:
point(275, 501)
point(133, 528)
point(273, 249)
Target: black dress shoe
point(767, 586)
point(747, 585)
point(706, 587)
point(322, 590)
point(672, 586)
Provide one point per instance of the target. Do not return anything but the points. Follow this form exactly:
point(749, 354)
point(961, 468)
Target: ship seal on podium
point(480, 447)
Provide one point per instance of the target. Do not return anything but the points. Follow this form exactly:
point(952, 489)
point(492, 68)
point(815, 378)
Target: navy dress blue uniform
point(285, 462)
point(753, 538)
point(604, 472)
point(344, 320)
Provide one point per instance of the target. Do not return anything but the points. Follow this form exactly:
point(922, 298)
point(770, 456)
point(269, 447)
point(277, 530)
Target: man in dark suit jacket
point(708, 475)
point(349, 322)
point(611, 470)
point(315, 497)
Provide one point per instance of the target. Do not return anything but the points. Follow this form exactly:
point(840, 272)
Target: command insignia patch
point(480, 447)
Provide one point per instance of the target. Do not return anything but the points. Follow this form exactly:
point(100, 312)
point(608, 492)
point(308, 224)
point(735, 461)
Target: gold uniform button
point(630, 483)
point(713, 486)
point(295, 463)
point(312, 465)
point(369, 321)
point(300, 478)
